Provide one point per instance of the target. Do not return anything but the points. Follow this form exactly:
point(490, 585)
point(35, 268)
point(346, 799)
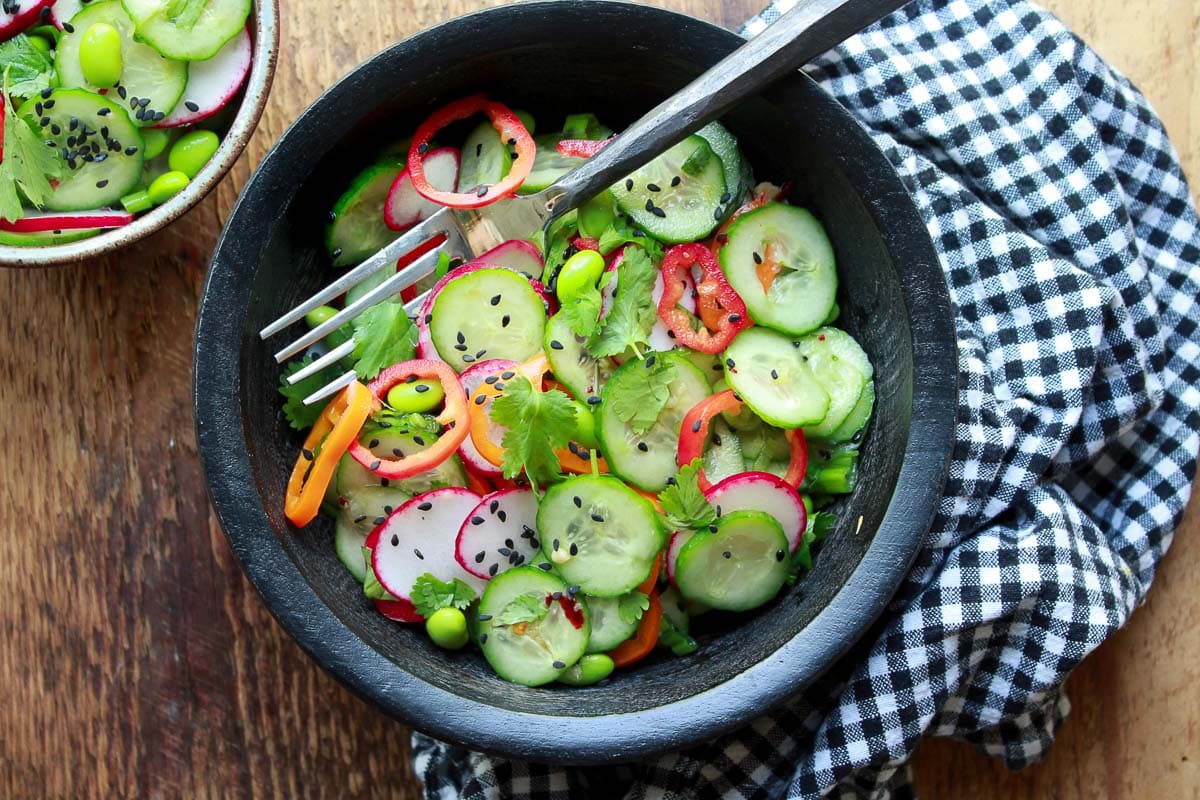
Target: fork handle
point(809, 29)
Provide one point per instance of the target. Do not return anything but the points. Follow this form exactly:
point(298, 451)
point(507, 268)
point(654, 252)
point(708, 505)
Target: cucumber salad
point(587, 440)
point(109, 108)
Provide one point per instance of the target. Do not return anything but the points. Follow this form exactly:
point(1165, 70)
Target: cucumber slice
point(725, 147)
point(484, 314)
point(548, 165)
point(188, 30)
point(802, 294)
point(348, 543)
point(357, 229)
point(485, 159)
point(150, 85)
point(538, 651)
point(353, 477)
point(571, 364)
point(608, 629)
point(842, 369)
point(723, 457)
point(690, 185)
point(772, 377)
point(858, 417)
point(602, 535)
point(648, 460)
point(45, 239)
point(740, 566)
point(102, 168)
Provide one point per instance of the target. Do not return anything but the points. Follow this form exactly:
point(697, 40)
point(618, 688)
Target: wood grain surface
point(136, 660)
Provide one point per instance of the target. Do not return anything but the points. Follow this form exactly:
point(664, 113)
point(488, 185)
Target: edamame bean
point(193, 151)
point(590, 669)
point(154, 141)
point(166, 186)
point(39, 43)
point(447, 627)
point(581, 271)
point(585, 426)
point(137, 202)
point(417, 397)
point(319, 316)
point(100, 55)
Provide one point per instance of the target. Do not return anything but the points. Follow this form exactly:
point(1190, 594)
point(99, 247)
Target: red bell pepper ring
point(453, 417)
point(510, 130)
point(693, 432)
point(721, 309)
point(581, 148)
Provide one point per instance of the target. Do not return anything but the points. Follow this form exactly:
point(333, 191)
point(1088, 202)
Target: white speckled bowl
point(265, 21)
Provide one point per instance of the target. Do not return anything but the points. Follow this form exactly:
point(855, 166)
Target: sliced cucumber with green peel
point(571, 363)
point(353, 478)
point(105, 165)
point(608, 629)
point(858, 417)
point(770, 374)
point(46, 238)
point(740, 566)
point(188, 30)
point(677, 197)
point(601, 535)
point(150, 86)
point(725, 147)
point(842, 368)
point(533, 651)
point(802, 292)
point(487, 313)
point(348, 543)
point(485, 159)
point(548, 164)
point(648, 459)
point(357, 229)
point(723, 457)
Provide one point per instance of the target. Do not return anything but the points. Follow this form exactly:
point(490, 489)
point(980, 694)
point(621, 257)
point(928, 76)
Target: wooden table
point(137, 660)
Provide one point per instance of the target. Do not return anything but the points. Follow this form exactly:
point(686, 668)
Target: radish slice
point(213, 83)
point(762, 491)
point(399, 610)
point(404, 207)
point(471, 379)
point(678, 540)
point(40, 222)
point(499, 534)
point(27, 13)
point(64, 11)
point(419, 537)
point(516, 254)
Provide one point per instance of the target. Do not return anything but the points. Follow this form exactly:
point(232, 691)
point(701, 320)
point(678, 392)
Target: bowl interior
point(631, 58)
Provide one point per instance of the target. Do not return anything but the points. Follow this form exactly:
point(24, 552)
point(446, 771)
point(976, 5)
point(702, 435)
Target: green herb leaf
point(632, 316)
point(430, 594)
point(523, 608)
point(640, 398)
point(621, 231)
point(372, 588)
point(675, 640)
point(28, 164)
point(300, 416)
point(30, 70)
point(582, 313)
point(538, 424)
point(383, 335)
point(684, 505)
point(631, 606)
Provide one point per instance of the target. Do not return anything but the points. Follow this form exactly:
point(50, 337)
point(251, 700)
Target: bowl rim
point(257, 89)
point(616, 737)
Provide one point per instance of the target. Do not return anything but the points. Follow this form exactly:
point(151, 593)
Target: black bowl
point(618, 60)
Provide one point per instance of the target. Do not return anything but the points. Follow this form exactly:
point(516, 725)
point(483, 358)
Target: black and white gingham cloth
point(1071, 246)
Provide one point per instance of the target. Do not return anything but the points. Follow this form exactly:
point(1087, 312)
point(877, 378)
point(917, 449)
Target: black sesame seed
point(480, 556)
point(735, 318)
point(477, 520)
point(480, 400)
point(574, 549)
point(496, 300)
point(336, 254)
point(44, 121)
point(503, 515)
point(629, 185)
point(774, 375)
point(676, 180)
point(373, 444)
point(643, 447)
point(417, 553)
point(428, 318)
point(718, 510)
point(717, 439)
point(374, 465)
point(388, 509)
point(483, 636)
point(757, 258)
point(480, 353)
point(729, 363)
point(717, 215)
point(395, 540)
point(38, 108)
point(47, 91)
point(559, 665)
point(68, 27)
point(504, 551)
point(360, 518)
point(425, 506)
point(422, 389)
point(468, 359)
point(504, 321)
point(654, 187)
point(308, 454)
point(190, 106)
point(397, 452)
point(482, 190)
point(101, 184)
point(121, 92)
point(578, 501)
point(725, 198)
point(460, 347)
point(545, 566)
point(554, 545)
point(490, 379)
point(696, 426)
point(727, 554)
point(479, 149)
point(385, 482)
point(593, 401)
point(423, 149)
point(650, 361)
point(484, 617)
point(555, 344)
point(650, 206)
point(509, 543)
point(493, 569)
point(658, 212)
point(526, 532)
point(779, 554)
point(380, 520)
point(597, 518)
point(507, 375)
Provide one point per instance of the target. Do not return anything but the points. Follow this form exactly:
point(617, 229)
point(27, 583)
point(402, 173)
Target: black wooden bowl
point(618, 60)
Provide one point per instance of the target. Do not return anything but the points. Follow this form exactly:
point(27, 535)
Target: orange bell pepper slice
point(642, 643)
point(330, 437)
point(479, 407)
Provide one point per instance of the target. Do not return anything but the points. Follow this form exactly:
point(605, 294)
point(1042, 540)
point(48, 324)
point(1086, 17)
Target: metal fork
point(803, 33)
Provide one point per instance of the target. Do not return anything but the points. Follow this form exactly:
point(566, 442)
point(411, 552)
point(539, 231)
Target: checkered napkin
point(1070, 244)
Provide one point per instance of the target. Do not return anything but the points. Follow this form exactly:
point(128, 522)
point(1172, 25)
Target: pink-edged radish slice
point(24, 14)
point(404, 207)
point(678, 540)
point(516, 254)
point(471, 379)
point(661, 338)
point(399, 610)
point(500, 533)
point(41, 222)
point(213, 83)
point(419, 537)
point(762, 491)
point(63, 11)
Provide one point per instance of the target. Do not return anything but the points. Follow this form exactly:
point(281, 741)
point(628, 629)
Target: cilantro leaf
point(621, 232)
point(640, 398)
point(582, 312)
point(28, 164)
point(538, 424)
point(523, 608)
point(300, 416)
point(430, 594)
point(632, 316)
point(684, 505)
point(30, 70)
point(372, 588)
point(383, 335)
point(630, 607)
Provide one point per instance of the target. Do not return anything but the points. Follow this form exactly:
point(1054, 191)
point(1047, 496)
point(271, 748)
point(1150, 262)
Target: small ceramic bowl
point(264, 25)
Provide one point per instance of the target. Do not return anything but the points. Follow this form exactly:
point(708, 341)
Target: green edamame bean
point(590, 669)
point(319, 316)
point(193, 151)
point(39, 43)
point(417, 397)
point(581, 271)
point(166, 186)
point(100, 55)
point(447, 627)
point(137, 202)
point(154, 141)
point(585, 426)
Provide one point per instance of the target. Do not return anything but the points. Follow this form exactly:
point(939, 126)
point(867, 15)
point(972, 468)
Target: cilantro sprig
point(300, 416)
point(523, 608)
point(430, 594)
point(641, 396)
point(684, 504)
point(628, 324)
point(28, 164)
point(631, 607)
point(30, 70)
point(538, 423)
point(383, 335)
